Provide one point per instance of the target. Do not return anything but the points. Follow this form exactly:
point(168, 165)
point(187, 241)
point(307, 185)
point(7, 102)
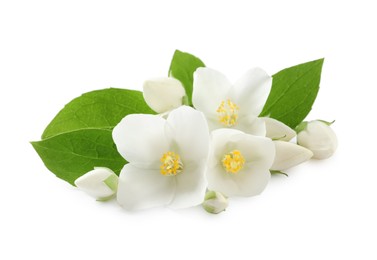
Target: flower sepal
point(275, 172)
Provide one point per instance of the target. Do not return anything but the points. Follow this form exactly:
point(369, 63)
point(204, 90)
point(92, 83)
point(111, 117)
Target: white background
point(52, 51)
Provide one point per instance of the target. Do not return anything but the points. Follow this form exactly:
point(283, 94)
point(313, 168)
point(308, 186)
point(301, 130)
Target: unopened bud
point(278, 130)
point(318, 137)
point(163, 94)
point(100, 183)
point(215, 202)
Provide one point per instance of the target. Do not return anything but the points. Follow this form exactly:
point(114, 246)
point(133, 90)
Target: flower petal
point(220, 180)
point(278, 130)
point(210, 88)
point(190, 133)
point(141, 139)
point(213, 123)
point(289, 155)
point(141, 189)
point(251, 181)
point(163, 94)
point(252, 125)
point(190, 186)
point(252, 91)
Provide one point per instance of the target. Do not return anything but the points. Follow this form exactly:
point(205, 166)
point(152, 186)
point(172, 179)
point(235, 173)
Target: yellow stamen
point(233, 162)
point(171, 164)
point(228, 113)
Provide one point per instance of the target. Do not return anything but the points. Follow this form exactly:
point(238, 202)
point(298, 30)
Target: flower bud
point(278, 130)
point(100, 183)
point(215, 202)
point(318, 137)
point(288, 155)
point(163, 94)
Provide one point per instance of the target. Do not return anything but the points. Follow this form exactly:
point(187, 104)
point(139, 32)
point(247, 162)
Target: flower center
point(171, 164)
point(228, 113)
point(233, 162)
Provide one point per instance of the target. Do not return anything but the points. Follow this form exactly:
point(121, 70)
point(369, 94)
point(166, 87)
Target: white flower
point(232, 106)
point(278, 130)
point(166, 159)
point(318, 137)
point(239, 164)
point(100, 183)
point(215, 202)
point(288, 155)
point(163, 94)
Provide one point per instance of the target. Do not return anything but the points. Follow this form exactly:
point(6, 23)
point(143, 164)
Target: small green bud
point(215, 202)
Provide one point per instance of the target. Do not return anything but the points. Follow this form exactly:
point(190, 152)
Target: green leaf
point(182, 67)
point(79, 138)
point(72, 154)
point(97, 109)
point(293, 93)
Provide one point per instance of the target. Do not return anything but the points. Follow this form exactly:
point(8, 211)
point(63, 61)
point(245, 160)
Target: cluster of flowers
point(185, 157)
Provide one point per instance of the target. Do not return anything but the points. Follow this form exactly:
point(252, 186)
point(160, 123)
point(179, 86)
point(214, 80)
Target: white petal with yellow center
point(168, 168)
point(232, 105)
point(239, 163)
